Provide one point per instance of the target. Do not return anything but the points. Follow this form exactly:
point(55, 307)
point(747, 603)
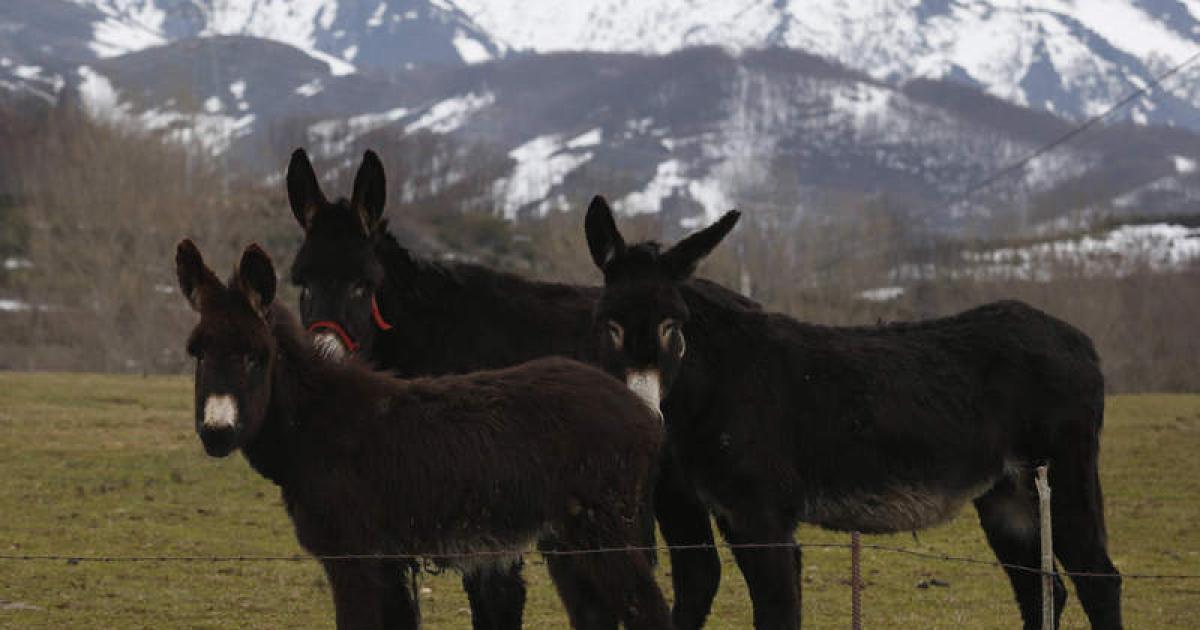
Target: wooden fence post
point(1043, 490)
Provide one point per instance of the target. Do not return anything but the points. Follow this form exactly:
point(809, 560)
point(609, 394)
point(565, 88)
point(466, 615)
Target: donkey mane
point(455, 306)
point(430, 278)
point(716, 304)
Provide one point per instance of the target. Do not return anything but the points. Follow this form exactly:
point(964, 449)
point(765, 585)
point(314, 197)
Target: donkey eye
point(668, 330)
point(616, 332)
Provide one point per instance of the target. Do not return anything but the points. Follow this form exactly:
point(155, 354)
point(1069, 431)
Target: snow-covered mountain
point(1069, 57)
point(682, 106)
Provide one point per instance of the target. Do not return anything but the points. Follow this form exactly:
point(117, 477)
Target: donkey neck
point(721, 324)
point(301, 386)
point(459, 317)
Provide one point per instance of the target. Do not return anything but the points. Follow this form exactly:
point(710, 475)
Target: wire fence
point(437, 563)
point(450, 558)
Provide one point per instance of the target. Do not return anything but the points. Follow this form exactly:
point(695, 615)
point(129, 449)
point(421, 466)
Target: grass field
point(96, 465)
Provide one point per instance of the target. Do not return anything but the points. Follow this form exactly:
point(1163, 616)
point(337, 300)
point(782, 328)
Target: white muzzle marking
point(648, 386)
point(329, 347)
point(220, 412)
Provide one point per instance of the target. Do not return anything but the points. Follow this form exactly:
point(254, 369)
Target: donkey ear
point(196, 280)
point(304, 192)
point(603, 238)
point(682, 259)
point(256, 278)
point(370, 192)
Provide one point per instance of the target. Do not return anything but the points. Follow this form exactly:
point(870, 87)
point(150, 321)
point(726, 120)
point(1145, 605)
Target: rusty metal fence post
point(855, 581)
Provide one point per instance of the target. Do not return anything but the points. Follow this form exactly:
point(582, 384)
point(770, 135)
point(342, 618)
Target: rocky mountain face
point(677, 106)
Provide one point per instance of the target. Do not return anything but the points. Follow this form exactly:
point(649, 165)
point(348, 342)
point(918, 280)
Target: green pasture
point(96, 465)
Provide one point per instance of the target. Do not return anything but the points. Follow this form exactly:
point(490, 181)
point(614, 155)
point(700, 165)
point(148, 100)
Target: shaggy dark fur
point(552, 450)
point(454, 318)
point(875, 429)
point(445, 317)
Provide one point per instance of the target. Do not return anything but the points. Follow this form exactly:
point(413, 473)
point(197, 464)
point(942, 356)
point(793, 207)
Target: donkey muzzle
point(647, 384)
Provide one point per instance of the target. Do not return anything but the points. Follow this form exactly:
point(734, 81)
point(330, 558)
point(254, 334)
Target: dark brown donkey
point(363, 293)
point(551, 451)
point(876, 429)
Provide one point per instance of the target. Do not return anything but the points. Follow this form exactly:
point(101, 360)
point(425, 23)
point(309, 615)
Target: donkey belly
point(469, 552)
point(893, 508)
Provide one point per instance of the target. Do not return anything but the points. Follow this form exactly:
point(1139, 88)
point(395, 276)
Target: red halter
point(377, 316)
point(351, 345)
point(337, 329)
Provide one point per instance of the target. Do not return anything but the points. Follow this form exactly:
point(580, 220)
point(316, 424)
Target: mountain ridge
point(585, 97)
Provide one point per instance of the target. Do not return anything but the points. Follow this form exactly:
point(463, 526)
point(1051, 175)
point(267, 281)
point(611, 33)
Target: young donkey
point(875, 429)
point(365, 294)
point(551, 450)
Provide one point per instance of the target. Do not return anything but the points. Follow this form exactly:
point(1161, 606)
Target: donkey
point(875, 429)
point(552, 451)
point(364, 294)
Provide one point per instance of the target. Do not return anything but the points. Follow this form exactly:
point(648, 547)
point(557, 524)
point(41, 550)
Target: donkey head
point(336, 268)
point(232, 345)
point(641, 317)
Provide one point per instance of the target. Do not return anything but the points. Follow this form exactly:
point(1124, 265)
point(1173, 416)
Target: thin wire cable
point(930, 555)
point(1072, 133)
point(1066, 137)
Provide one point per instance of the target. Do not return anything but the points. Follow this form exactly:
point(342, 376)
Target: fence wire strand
point(450, 557)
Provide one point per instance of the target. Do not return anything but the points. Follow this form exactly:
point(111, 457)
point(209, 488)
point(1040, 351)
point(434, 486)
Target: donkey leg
point(628, 580)
point(623, 581)
point(1008, 515)
point(358, 591)
point(496, 593)
point(771, 572)
point(695, 573)
point(1080, 539)
point(585, 609)
point(400, 610)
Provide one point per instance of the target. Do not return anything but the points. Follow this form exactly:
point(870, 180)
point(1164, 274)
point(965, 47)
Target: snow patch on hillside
point(335, 136)
point(311, 88)
point(127, 26)
point(1121, 252)
point(133, 25)
point(99, 97)
point(211, 132)
point(586, 139)
point(671, 178)
point(448, 115)
point(864, 105)
point(470, 49)
point(541, 164)
point(881, 294)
